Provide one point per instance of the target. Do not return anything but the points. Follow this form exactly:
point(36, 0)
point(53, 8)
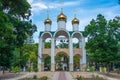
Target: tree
point(103, 36)
point(47, 62)
point(48, 44)
point(7, 39)
point(29, 55)
point(15, 27)
point(76, 62)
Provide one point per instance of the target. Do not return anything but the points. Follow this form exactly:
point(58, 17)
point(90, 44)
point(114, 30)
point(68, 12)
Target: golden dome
point(47, 21)
point(75, 21)
point(61, 17)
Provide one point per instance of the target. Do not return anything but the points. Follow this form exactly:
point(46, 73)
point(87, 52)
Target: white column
point(83, 60)
point(84, 51)
point(80, 44)
point(52, 54)
point(71, 54)
point(40, 54)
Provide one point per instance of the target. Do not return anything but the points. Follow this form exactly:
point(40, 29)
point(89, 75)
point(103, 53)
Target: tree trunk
point(3, 70)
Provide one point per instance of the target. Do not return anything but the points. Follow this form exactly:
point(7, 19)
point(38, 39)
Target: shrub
point(92, 69)
point(36, 69)
point(44, 78)
point(15, 69)
point(79, 77)
point(103, 70)
point(118, 71)
point(29, 69)
point(35, 77)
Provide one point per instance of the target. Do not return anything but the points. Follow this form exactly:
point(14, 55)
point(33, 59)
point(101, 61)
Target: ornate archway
point(61, 62)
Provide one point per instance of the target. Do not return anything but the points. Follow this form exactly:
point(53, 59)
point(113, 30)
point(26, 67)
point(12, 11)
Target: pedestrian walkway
point(68, 76)
point(108, 78)
point(23, 76)
point(62, 76)
point(55, 76)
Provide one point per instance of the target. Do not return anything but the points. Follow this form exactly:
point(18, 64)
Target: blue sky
point(85, 11)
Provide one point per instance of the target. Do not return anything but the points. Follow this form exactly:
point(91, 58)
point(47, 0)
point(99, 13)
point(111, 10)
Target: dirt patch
point(113, 75)
point(8, 75)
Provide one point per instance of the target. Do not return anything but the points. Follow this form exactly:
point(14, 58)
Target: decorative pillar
point(71, 54)
point(83, 54)
point(80, 44)
point(40, 55)
point(52, 54)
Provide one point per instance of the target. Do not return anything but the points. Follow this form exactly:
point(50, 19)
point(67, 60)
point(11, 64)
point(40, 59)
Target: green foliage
point(47, 62)
point(35, 77)
point(76, 61)
point(29, 69)
point(59, 58)
point(62, 45)
point(92, 69)
point(79, 77)
point(35, 69)
point(44, 78)
point(118, 71)
point(75, 45)
point(15, 27)
point(48, 44)
point(103, 37)
point(103, 70)
point(15, 69)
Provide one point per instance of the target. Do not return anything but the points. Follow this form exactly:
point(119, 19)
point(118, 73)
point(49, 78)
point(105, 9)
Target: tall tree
point(15, 27)
point(103, 38)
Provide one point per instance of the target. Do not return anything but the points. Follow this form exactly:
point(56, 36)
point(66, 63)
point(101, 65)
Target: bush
point(35, 77)
point(15, 69)
point(118, 71)
point(29, 69)
point(36, 69)
point(103, 70)
point(44, 78)
point(79, 77)
point(92, 69)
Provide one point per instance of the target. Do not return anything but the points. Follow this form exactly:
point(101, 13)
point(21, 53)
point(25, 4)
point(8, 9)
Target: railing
point(76, 51)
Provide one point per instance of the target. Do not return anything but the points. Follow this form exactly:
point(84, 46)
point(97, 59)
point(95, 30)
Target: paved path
point(62, 76)
point(108, 78)
point(23, 76)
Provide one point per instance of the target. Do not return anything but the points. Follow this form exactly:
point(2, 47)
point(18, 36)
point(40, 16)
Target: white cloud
point(38, 6)
point(30, 1)
point(72, 3)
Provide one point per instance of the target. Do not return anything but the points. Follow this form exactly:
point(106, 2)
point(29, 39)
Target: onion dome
point(48, 21)
point(75, 21)
point(61, 17)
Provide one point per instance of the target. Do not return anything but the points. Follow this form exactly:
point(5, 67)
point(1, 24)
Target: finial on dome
point(61, 5)
point(61, 16)
point(48, 21)
point(75, 13)
point(75, 20)
point(48, 13)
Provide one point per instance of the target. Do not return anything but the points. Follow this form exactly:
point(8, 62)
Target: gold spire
point(61, 16)
point(48, 21)
point(75, 20)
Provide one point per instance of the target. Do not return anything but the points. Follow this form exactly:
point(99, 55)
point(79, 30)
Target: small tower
point(61, 20)
point(47, 23)
point(75, 23)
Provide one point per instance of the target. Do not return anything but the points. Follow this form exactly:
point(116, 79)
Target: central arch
point(61, 61)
